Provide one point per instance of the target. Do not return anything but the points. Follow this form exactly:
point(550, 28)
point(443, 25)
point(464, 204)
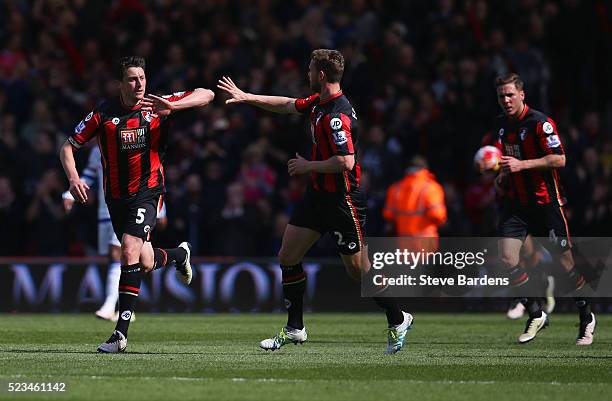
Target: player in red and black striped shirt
point(534, 199)
point(333, 203)
point(131, 131)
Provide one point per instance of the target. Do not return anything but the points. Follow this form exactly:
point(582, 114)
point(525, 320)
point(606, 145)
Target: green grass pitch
point(216, 357)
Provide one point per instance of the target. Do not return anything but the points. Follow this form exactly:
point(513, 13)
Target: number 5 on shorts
point(140, 215)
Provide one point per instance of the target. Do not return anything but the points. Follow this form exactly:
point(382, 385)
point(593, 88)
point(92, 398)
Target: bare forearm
point(335, 164)
point(67, 159)
point(276, 104)
point(546, 162)
point(199, 98)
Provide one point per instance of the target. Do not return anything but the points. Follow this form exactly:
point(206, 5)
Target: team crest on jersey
point(115, 121)
point(147, 116)
point(89, 116)
point(133, 138)
point(547, 128)
point(523, 133)
point(501, 132)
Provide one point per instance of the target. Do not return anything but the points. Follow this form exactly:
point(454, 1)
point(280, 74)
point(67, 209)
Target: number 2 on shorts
point(339, 235)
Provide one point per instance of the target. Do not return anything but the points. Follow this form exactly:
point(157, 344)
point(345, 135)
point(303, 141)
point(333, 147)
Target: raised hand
point(237, 95)
point(158, 106)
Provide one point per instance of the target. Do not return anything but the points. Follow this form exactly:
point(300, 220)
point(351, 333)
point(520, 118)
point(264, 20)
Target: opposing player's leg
point(109, 244)
point(508, 251)
point(296, 242)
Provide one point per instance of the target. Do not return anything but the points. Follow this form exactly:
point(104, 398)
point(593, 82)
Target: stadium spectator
point(12, 218)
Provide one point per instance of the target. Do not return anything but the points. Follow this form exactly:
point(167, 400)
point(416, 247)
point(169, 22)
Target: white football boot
point(287, 335)
point(183, 271)
point(115, 344)
point(586, 331)
point(532, 328)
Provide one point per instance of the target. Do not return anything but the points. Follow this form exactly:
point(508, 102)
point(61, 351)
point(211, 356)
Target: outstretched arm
point(164, 106)
point(276, 104)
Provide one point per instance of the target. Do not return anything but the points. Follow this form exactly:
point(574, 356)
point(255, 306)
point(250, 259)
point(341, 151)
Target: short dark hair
point(331, 62)
point(510, 78)
point(126, 62)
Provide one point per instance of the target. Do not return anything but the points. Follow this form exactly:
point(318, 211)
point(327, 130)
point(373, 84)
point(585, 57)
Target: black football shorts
point(542, 221)
point(135, 217)
point(341, 215)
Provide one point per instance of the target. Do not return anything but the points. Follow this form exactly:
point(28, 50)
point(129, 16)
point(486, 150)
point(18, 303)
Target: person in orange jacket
point(415, 205)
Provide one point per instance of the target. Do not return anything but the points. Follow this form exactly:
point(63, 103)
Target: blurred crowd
point(419, 74)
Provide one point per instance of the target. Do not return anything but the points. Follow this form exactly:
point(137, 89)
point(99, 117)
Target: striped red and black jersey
point(532, 136)
point(132, 144)
point(491, 138)
point(333, 128)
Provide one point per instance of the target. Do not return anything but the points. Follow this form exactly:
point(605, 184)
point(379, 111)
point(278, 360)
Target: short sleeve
point(176, 96)
point(338, 128)
point(548, 137)
point(86, 129)
point(305, 105)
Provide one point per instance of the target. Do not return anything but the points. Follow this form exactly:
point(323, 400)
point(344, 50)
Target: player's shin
point(517, 275)
point(294, 286)
point(584, 308)
point(532, 306)
point(392, 310)
point(129, 288)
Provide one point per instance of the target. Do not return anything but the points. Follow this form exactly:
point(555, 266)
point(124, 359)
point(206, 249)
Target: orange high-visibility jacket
point(415, 205)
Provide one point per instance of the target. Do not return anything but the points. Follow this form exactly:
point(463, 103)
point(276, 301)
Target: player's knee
point(130, 254)
point(356, 266)
point(288, 258)
point(147, 265)
point(566, 260)
point(509, 261)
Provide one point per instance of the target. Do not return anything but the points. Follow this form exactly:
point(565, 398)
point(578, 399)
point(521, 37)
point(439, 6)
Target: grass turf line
point(193, 357)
